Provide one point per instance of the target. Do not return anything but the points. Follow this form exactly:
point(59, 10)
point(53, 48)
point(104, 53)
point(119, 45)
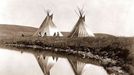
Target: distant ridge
point(17, 30)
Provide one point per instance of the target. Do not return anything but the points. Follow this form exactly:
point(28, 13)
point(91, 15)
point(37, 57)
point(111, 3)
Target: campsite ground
point(107, 50)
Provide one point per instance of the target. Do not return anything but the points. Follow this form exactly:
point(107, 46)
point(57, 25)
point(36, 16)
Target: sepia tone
point(56, 47)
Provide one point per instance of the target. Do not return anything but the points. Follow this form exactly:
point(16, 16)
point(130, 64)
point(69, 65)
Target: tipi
point(46, 63)
point(81, 29)
point(77, 66)
point(48, 28)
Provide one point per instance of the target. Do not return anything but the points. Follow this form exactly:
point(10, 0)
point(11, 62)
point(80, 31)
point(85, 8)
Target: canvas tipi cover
point(81, 29)
point(48, 28)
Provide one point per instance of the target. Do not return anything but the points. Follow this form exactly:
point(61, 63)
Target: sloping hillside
point(14, 30)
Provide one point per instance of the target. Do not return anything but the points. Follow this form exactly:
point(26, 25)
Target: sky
point(102, 16)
